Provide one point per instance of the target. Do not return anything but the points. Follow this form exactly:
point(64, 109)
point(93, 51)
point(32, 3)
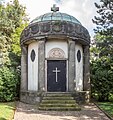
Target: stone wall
point(81, 97)
point(30, 97)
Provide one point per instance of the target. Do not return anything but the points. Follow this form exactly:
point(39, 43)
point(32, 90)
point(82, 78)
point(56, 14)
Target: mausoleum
point(54, 57)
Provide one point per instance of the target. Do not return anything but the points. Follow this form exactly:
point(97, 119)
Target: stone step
point(58, 105)
point(58, 101)
point(56, 94)
point(58, 98)
point(60, 108)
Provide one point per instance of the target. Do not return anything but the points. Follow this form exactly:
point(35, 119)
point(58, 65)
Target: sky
point(83, 10)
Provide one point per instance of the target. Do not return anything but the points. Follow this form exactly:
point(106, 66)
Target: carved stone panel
point(34, 29)
point(56, 53)
point(45, 27)
point(57, 26)
point(70, 28)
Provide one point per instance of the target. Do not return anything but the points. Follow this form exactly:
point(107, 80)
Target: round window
point(33, 55)
point(78, 55)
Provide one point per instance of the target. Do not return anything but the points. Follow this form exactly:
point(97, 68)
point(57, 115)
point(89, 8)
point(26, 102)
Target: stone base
point(81, 97)
point(32, 97)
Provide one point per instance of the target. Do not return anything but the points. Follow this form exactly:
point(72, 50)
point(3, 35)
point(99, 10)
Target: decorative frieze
point(40, 29)
point(45, 27)
point(57, 26)
point(34, 29)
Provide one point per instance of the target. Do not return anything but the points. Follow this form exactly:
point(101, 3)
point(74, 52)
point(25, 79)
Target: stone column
point(41, 64)
point(24, 71)
point(71, 68)
point(86, 85)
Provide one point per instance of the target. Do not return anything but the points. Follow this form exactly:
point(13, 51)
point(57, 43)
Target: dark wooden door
point(56, 75)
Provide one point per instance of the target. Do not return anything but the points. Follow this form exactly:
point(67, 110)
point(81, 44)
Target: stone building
point(55, 57)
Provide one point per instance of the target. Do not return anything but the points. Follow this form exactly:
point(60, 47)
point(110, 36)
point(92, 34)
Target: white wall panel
point(79, 68)
point(33, 67)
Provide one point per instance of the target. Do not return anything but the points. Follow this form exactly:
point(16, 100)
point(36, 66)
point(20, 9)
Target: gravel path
point(30, 112)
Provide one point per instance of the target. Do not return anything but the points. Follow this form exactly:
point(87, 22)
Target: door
point(56, 75)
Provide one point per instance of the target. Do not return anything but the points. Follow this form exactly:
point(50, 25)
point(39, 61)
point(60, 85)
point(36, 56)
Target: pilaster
point(24, 71)
point(86, 85)
point(71, 63)
point(41, 64)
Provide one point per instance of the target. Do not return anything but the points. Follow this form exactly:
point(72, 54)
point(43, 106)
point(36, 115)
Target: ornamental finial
point(54, 8)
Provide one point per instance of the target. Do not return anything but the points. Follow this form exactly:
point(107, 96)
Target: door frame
point(46, 73)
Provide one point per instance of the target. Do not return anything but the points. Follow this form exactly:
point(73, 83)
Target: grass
point(107, 107)
point(7, 110)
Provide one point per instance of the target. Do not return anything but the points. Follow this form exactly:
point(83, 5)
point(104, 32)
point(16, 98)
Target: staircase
point(58, 102)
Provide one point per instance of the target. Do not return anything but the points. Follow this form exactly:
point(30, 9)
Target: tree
point(6, 28)
point(13, 19)
point(102, 66)
point(105, 19)
point(102, 78)
point(104, 22)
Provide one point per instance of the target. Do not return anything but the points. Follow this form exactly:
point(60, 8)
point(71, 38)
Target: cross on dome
point(54, 8)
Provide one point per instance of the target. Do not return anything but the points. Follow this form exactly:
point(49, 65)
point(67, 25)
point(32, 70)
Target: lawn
point(107, 107)
point(7, 110)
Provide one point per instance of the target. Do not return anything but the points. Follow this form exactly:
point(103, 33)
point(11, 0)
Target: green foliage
point(104, 20)
point(102, 78)
point(9, 81)
point(110, 97)
point(16, 13)
point(102, 51)
point(7, 110)
point(16, 39)
point(13, 19)
point(104, 44)
point(107, 107)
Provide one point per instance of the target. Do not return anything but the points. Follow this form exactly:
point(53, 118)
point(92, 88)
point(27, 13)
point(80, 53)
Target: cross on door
point(56, 71)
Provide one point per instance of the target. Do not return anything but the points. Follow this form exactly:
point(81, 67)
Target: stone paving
point(30, 112)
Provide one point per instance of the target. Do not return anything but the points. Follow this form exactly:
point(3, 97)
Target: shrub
point(102, 79)
point(9, 82)
point(110, 97)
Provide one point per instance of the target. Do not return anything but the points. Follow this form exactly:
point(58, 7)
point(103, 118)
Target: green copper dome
point(55, 16)
point(55, 25)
